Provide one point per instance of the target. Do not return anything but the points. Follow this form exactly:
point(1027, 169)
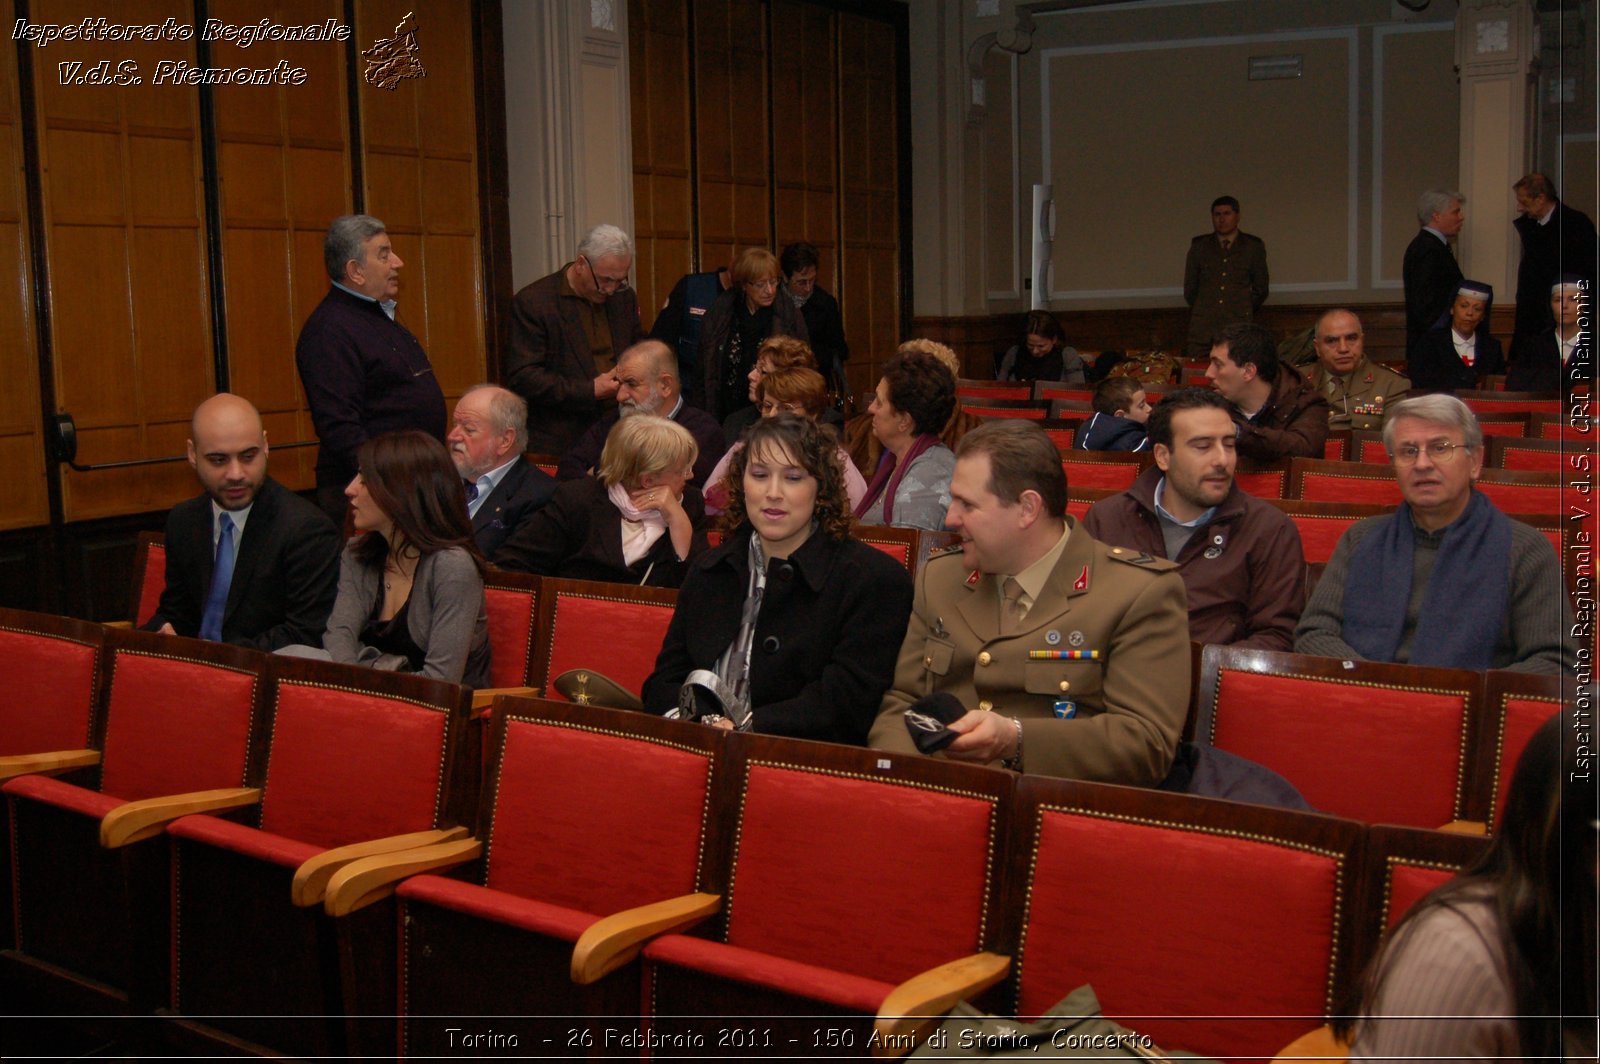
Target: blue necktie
point(221, 579)
point(471, 488)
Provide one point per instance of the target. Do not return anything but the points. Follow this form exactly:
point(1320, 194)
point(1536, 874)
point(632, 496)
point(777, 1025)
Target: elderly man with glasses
point(1446, 580)
point(567, 330)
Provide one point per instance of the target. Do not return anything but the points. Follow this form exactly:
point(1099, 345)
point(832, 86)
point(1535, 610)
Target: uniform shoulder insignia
point(940, 552)
point(1141, 559)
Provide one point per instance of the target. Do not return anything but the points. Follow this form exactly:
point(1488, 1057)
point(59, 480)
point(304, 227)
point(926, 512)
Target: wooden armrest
point(1466, 827)
point(921, 1001)
point(360, 883)
point(311, 879)
point(149, 817)
point(483, 697)
point(613, 941)
point(117, 624)
point(1316, 1044)
point(48, 764)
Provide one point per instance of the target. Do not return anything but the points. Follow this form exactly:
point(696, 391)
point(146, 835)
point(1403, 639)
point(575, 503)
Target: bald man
point(249, 562)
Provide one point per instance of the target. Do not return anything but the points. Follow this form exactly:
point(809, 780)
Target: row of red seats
point(842, 895)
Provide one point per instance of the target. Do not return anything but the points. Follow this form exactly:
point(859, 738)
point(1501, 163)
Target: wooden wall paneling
point(658, 86)
point(805, 142)
point(869, 176)
point(283, 175)
point(420, 163)
point(24, 491)
point(731, 127)
point(125, 244)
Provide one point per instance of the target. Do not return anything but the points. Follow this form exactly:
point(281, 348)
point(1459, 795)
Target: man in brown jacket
point(1278, 411)
point(567, 331)
point(1070, 657)
point(1240, 558)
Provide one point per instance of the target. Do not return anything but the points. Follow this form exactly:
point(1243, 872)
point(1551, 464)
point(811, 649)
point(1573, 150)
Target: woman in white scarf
point(638, 521)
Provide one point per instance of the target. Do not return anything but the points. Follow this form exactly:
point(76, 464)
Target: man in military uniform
point(1070, 657)
point(1358, 390)
point(1224, 277)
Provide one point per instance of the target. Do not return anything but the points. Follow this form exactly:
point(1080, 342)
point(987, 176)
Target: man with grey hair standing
point(567, 331)
point(1430, 272)
point(488, 433)
point(1447, 579)
point(363, 372)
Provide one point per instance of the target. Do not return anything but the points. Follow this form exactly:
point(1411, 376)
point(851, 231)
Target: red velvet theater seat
point(48, 705)
point(149, 575)
point(1403, 864)
point(1376, 742)
point(1321, 524)
point(1271, 482)
point(51, 667)
point(1319, 481)
point(1103, 469)
point(853, 871)
point(512, 600)
point(181, 716)
point(1515, 704)
point(615, 629)
point(898, 543)
point(360, 762)
point(587, 812)
point(1213, 927)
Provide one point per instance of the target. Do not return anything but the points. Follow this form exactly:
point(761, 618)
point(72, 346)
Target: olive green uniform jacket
point(1129, 703)
point(1358, 400)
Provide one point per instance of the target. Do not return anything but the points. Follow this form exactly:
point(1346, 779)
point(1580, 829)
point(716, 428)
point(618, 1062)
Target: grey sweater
point(1533, 638)
point(447, 617)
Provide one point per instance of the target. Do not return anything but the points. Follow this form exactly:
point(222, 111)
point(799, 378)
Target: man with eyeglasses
point(1447, 580)
point(567, 330)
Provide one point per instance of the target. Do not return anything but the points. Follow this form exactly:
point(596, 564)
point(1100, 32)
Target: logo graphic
point(390, 59)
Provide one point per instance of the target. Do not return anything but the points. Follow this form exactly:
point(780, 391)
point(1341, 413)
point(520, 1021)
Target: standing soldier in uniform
point(1071, 658)
point(1224, 277)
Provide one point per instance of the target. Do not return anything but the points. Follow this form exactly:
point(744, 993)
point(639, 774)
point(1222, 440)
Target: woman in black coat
point(795, 625)
point(1437, 366)
point(737, 322)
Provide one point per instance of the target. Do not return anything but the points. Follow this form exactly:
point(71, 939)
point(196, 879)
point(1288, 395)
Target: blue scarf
point(1463, 609)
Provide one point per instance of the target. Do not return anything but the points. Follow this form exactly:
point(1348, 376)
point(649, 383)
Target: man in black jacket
point(1556, 240)
point(1429, 271)
point(820, 309)
point(249, 562)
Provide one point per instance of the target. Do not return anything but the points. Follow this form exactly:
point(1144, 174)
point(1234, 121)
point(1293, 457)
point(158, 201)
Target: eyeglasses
point(1440, 451)
point(764, 286)
point(606, 284)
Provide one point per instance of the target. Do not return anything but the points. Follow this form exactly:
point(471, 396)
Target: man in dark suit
point(1556, 240)
point(648, 383)
point(249, 562)
point(1430, 271)
point(567, 330)
point(488, 434)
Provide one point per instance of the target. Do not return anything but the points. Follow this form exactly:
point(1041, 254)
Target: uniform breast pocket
point(937, 655)
point(1062, 679)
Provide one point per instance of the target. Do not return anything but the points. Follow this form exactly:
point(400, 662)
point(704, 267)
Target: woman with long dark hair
point(1489, 963)
point(794, 626)
point(411, 585)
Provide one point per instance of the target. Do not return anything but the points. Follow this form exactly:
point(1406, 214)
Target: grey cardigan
point(447, 617)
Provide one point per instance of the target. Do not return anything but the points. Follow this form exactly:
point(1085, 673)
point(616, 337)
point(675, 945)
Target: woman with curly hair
point(411, 584)
point(737, 323)
point(1487, 965)
point(911, 486)
point(793, 625)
